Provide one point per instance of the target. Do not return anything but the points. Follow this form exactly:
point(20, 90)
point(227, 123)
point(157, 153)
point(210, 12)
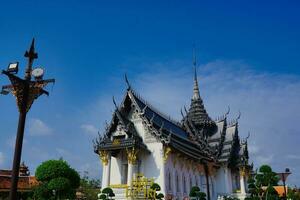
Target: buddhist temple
point(196, 151)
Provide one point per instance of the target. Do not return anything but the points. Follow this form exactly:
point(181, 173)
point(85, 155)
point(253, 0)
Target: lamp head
point(13, 67)
point(4, 92)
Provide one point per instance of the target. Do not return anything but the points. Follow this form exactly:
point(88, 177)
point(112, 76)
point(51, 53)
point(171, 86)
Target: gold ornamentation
point(141, 188)
point(132, 155)
point(167, 151)
point(119, 186)
point(116, 142)
point(243, 171)
point(104, 157)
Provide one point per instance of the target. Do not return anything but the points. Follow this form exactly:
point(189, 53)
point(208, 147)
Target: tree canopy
point(57, 179)
point(261, 184)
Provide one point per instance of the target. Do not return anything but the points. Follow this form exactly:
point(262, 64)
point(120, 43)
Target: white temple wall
point(223, 181)
point(188, 177)
point(152, 163)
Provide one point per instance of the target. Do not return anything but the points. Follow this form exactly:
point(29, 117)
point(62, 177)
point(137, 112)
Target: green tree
point(89, 187)
point(57, 180)
point(261, 185)
point(293, 194)
point(195, 193)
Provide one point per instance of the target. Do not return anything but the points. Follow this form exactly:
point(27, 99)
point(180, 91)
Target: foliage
point(57, 179)
point(196, 193)
point(157, 188)
point(89, 187)
point(261, 185)
point(107, 193)
point(42, 192)
point(293, 194)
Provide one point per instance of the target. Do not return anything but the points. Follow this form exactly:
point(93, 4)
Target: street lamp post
point(283, 176)
point(26, 91)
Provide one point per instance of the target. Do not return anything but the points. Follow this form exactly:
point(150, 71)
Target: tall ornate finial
point(127, 82)
point(194, 56)
point(114, 101)
point(196, 94)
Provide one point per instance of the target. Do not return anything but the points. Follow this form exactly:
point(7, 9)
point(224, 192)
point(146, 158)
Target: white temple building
point(197, 151)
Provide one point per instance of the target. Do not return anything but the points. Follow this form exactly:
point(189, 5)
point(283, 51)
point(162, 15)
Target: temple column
point(242, 181)
point(131, 156)
point(106, 160)
point(174, 187)
point(130, 174)
point(165, 153)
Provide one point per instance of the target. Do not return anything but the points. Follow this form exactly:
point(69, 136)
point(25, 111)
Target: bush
point(196, 193)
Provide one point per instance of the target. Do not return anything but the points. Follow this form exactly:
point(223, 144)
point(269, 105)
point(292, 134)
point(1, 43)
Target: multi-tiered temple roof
point(197, 136)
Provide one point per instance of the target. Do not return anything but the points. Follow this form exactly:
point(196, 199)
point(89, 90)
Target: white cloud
point(263, 160)
point(37, 127)
point(1, 158)
point(293, 157)
point(89, 129)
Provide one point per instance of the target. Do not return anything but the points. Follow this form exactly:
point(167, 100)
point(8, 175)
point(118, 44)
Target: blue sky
point(248, 56)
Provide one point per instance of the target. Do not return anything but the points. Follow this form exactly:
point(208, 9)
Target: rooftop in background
point(26, 182)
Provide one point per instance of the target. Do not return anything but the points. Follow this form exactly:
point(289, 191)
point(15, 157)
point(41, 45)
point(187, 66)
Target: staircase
point(120, 193)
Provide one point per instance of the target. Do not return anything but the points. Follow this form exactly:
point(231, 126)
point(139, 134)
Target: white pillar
point(242, 184)
point(108, 170)
point(103, 185)
point(174, 183)
point(132, 157)
point(130, 174)
point(106, 163)
point(163, 177)
point(165, 151)
point(226, 180)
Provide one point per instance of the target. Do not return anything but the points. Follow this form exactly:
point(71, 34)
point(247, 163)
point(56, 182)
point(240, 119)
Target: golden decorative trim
point(104, 157)
point(132, 155)
point(118, 186)
point(167, 151)
point(116, 142)
point(243, 171)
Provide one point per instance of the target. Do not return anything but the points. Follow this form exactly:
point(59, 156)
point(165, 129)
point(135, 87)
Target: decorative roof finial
point(239, 116)
point(194, 56)
point(127, 82)
point(196, 94)
point(114, 101)
point(228, 111)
